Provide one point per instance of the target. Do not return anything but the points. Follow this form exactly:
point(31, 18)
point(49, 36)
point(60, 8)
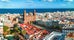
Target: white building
point(68, 28)
point(52, 35)
point(1, 28)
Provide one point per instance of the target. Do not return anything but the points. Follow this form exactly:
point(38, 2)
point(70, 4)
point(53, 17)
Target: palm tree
point(6, 30)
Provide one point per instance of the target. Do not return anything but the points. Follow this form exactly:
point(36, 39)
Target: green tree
point(5, 28)
point(23, 32)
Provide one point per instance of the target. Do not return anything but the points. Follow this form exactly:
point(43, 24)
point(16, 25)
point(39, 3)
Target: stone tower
point(24, 16)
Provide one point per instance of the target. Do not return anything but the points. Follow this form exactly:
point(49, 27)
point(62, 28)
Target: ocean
point(2, 11)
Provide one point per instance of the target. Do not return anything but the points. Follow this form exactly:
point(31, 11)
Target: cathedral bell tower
point(24, 16)
point(34, 14)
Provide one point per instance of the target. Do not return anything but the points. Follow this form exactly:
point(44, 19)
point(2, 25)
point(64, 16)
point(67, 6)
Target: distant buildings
point(44, 23)
point(1, 28)
point(69, 36)
point(68, 28)
point(54, 36)
point(2, 37)
point(9, 19)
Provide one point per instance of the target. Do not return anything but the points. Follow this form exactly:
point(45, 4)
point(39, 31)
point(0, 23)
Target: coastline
point(20, 11)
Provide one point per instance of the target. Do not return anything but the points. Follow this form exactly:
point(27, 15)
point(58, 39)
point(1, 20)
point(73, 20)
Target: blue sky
point(36, 3)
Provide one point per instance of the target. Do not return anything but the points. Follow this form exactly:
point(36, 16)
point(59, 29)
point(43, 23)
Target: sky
point(36, 3)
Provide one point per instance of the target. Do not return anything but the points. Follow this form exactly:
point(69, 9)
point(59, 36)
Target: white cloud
point(69, 0)
point(5, 0)
point(48, 0)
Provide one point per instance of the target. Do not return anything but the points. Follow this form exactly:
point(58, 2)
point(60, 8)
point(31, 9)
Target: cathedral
point(30, 17)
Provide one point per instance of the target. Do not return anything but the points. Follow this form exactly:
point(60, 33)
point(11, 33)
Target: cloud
point(69, 0)
point(5, 0)
point(48, 0)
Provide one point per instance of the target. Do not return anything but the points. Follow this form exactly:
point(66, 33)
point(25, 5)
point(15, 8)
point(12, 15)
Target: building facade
point(30, 17)
point(1, 28)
